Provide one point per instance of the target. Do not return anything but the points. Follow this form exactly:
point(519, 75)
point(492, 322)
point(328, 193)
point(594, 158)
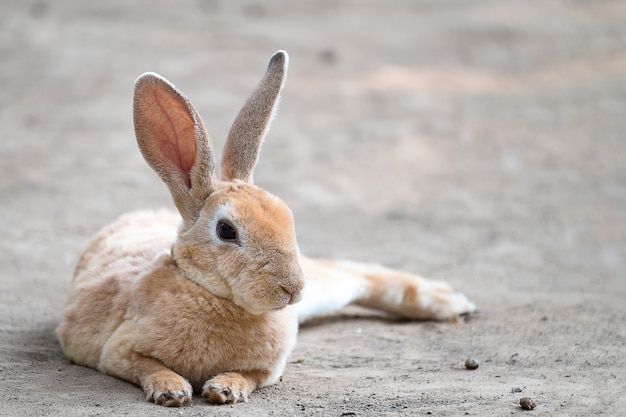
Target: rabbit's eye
point(226, 231)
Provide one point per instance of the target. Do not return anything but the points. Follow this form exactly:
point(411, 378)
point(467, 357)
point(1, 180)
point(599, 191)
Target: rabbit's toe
point(173, 399)
point(435, 300)
point(226, 388)
point(459, 305)
point(168, 389)
point(218, 394)
point(446, 304)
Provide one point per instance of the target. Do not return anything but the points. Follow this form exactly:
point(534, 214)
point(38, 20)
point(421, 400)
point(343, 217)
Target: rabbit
point(209, 300)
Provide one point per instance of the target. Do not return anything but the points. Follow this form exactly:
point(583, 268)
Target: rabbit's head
point(236, 239)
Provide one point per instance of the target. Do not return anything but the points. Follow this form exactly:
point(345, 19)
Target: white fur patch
point(225, 211)
point(322, 297)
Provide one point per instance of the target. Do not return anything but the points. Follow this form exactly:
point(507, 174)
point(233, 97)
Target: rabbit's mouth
point(291, 296)
point(292, 300)
point(288, 298)
point(259, 306)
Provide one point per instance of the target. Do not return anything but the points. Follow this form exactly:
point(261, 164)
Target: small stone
point(328, 56)
point(527, 403)
point(472, 363)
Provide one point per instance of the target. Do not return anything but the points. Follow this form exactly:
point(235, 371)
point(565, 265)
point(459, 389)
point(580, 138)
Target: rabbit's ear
point(241, 151)
point(174, 142)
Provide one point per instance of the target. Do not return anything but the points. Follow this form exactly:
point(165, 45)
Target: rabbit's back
point(101, 291)
point(133, 240)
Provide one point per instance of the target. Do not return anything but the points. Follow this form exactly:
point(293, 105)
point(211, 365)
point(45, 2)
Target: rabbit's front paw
point(227, 388)
point(169, 389)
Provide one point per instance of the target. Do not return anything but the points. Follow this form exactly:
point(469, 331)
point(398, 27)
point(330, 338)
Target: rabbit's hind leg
point(332, 285)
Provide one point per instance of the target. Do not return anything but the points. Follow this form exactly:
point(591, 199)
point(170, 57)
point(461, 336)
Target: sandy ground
point(480, 142)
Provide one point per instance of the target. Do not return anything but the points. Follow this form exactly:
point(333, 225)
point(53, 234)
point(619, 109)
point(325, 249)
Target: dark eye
point(226, 231)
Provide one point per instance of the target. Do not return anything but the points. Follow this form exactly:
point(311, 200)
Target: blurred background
point(480, 142)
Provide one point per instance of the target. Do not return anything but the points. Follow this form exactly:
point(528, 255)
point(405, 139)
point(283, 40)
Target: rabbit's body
point(210, 300)
point(130, 301)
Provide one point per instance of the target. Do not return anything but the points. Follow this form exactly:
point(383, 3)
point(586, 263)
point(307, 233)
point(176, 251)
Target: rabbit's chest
point(199, 335)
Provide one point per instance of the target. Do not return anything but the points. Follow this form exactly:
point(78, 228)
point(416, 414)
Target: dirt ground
point(479, 142)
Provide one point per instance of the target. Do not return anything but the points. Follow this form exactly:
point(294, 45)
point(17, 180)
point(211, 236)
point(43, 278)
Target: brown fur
point(175, 304)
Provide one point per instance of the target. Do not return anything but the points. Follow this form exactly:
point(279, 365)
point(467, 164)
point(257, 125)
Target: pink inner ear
point(174, 128)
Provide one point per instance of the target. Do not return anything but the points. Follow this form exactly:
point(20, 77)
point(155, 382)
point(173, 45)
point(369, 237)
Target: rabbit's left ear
point(243, 144)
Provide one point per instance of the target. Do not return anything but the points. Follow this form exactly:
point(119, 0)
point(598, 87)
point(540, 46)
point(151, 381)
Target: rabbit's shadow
point(353, 313)
point(36, 343)
point(356, 313)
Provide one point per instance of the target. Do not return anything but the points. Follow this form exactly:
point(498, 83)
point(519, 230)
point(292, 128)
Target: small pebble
point(527, 403)
point(328, 56)
point(472, 363)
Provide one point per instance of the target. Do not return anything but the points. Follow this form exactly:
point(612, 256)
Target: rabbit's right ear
point(174, 142)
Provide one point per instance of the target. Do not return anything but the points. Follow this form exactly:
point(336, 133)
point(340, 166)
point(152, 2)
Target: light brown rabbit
point(209, 301)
